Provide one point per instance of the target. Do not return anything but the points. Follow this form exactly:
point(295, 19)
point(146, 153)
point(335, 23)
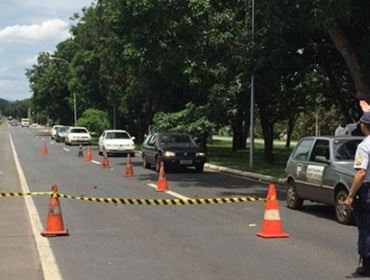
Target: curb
point(256, 176)
point(252, 175)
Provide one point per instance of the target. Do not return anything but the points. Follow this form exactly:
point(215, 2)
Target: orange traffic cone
point(105, 162)
point(88, 156)
point(162, 184)
point(129, 170)
point(54, 222)
point(272, 226)
point(44, 149)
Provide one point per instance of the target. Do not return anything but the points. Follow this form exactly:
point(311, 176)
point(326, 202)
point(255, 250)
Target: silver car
point(320, 169)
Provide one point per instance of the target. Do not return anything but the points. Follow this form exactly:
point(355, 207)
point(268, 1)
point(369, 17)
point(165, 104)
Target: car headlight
point(200, 154)
point(169, 154)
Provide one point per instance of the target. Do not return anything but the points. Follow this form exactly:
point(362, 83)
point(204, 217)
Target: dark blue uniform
point(361, 204)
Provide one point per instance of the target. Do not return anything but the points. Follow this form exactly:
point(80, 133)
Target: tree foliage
point(94, 120)
point(136, 59)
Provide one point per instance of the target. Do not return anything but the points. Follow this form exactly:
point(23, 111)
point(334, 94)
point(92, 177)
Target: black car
point(174, 149)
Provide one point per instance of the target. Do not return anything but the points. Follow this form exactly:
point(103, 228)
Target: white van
point(25, 122)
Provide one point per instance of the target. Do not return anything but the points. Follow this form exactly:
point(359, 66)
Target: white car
point(117, 142)
point(77, 135)
point(54, 130)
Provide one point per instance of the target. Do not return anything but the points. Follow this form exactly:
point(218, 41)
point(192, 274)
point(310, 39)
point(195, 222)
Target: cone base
point(54, 233)
point(105, 165)
point(272, 235)
point(129, 173)
point(162, 186)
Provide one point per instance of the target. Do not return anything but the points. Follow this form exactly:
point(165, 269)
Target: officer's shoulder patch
point(359, 160)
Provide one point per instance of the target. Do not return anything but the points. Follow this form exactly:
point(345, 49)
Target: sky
point(27, 28)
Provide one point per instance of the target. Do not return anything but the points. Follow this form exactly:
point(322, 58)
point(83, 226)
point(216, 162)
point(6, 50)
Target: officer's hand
point(348, 202)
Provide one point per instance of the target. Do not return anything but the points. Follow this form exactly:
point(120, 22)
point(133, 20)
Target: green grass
point(220, 153)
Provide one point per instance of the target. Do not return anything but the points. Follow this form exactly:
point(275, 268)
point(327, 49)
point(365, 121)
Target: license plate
point(185, 161)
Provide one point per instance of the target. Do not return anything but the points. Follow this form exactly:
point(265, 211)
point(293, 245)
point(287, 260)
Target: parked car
point(174, 149)
point(54, 130)
point(13, 123)
point(61, 133)
point(77, 135)
point(321, 169)
point(117, 142)
point(25, 122)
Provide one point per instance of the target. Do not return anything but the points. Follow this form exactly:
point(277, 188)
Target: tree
point(94, 120)
point(191, 120)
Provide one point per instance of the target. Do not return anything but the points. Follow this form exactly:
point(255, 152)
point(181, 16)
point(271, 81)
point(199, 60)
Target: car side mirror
point(133, 138)
point(322, 159)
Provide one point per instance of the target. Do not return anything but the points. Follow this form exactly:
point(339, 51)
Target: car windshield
point(176, 139)
point(78, 130)
point(63, 129)
point(344, 150)
point(117, 135)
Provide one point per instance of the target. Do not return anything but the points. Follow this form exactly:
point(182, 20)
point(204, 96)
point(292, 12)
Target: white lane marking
point(169, 192)
point(96, 162)
point(47, 258)
point(67, 150)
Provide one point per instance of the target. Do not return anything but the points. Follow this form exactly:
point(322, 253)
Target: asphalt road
point(110, 241)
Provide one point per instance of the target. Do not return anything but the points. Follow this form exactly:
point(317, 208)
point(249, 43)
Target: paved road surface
point(169, 242)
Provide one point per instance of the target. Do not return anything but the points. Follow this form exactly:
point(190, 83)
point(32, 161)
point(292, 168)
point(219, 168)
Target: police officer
point(359, 196)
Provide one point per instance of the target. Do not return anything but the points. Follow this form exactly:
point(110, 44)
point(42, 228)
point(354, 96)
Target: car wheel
point(100, 151)
point(146, 164)
point(343, 214)
point(199, 168)
point(292, 199)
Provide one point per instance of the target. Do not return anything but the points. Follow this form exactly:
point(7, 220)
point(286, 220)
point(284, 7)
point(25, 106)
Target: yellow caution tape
point(141, 201)
point(15, 194)
point(153, 201)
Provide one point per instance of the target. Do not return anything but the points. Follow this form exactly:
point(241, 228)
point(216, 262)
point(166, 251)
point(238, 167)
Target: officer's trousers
point(361, 209)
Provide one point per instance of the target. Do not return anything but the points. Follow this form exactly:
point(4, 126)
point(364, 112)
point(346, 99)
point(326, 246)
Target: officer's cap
point(365, 118)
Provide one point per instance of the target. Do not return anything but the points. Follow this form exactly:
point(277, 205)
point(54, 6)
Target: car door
point(150, 149)
point(297, 165)
point(317, 167)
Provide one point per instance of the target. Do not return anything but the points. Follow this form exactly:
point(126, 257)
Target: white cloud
point(48, 31)
point(30, 61)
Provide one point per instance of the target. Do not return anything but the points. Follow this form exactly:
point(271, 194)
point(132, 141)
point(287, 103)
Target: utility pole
point(251, 126)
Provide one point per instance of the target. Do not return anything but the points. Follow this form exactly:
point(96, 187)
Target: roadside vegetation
point(220, 153)
point(187, 65)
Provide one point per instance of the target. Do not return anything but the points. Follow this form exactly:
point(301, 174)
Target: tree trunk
point(268, 137)
point(246, 126)
point(291, 123)
point(238, 135)
point(348, 53)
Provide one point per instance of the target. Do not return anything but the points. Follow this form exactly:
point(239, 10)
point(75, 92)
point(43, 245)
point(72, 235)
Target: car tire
point(199, 168)
point(292, 199)
point(342, 213)
point(146, 164)
point(99, 151)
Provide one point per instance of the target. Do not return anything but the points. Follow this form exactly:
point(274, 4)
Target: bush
point(94, 120)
